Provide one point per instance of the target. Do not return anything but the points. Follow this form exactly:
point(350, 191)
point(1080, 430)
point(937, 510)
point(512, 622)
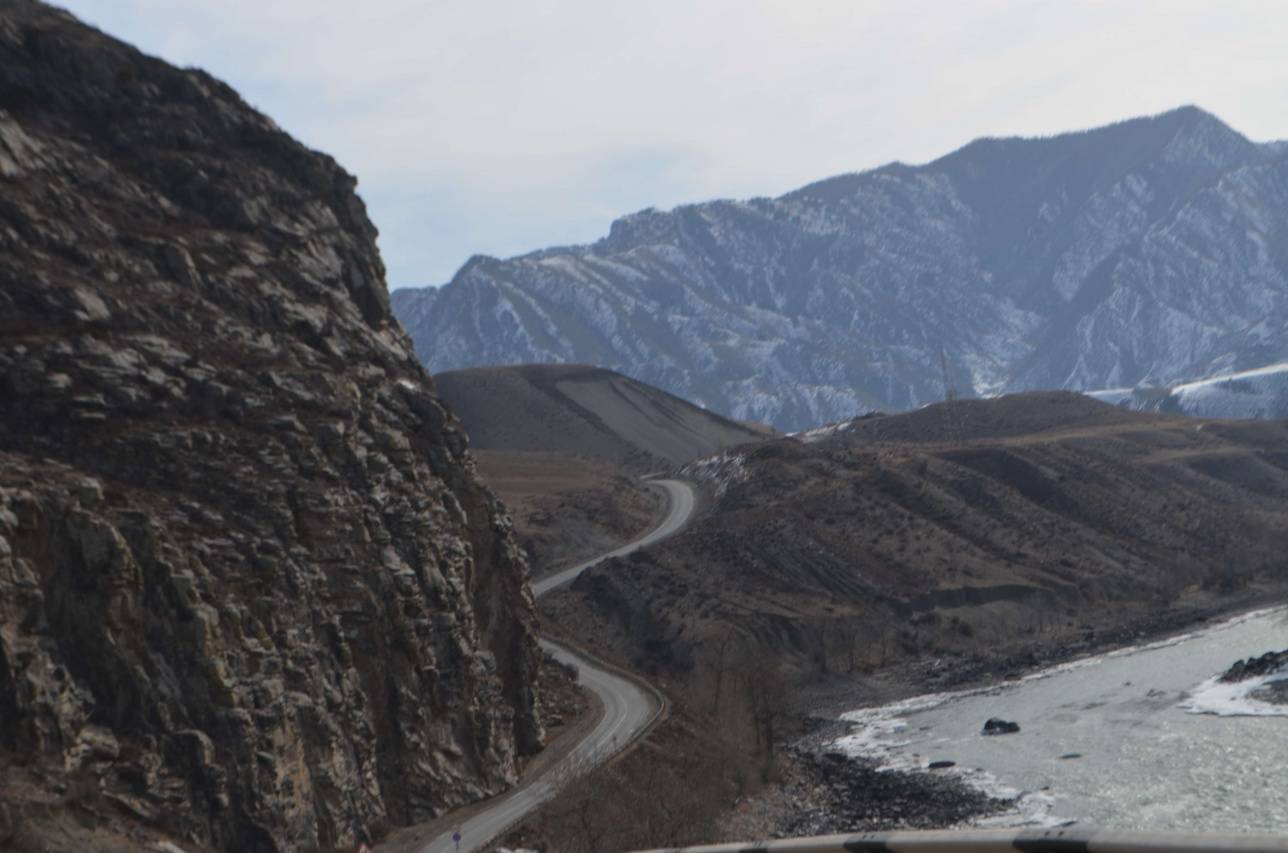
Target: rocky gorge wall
point(249, 580)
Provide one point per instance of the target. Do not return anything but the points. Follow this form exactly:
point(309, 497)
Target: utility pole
point(952, 426)
point(950, 392)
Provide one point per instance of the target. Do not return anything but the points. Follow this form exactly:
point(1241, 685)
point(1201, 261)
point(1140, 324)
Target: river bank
point(1098, 633)
point(1142, 737)
point(816, 794)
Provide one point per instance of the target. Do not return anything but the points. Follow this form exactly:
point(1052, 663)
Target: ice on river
point(1161, 744)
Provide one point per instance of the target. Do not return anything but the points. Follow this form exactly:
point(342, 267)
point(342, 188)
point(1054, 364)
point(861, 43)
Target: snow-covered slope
point(1260, 393)
point(1147, 252)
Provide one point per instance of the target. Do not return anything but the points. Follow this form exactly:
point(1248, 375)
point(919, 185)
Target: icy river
point(1141, 738)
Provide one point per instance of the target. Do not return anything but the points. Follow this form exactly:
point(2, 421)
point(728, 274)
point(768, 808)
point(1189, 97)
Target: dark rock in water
point(996, 726)
point(1268, 664)
point(1275, 692)
point(1072, 755)
point(941, 765)
point(250, 582)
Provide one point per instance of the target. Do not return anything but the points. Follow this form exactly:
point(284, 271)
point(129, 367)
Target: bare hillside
point(568, 508)
point(1034, 522)
point(586, 411)
point(564, 445)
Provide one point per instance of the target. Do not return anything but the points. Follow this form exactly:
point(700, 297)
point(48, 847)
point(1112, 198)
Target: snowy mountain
point(1143, 253)
point(1260, 393)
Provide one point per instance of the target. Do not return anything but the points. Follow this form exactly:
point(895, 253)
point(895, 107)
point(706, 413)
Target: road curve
point(628, 708)
point(681, 502)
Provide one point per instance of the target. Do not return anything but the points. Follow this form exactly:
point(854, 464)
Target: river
point(1159, 744)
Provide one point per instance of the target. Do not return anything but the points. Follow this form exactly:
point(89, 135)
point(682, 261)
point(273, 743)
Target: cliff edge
point(252, 593)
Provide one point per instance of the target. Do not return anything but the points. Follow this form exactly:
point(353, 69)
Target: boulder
point(1268, 664)
point(998, 726)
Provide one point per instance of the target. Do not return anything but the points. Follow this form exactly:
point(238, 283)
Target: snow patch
point(722, 471)
point(810, 436)
point(1235, 699)
point(1259, 393)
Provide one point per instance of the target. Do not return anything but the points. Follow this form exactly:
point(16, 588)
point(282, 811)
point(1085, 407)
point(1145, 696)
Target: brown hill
point(1045, 519)
point(252, 594)
point(1013, 415)
point(564, 445)
point(586, 411)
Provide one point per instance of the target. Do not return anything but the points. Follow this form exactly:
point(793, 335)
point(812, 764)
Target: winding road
point(628, 708)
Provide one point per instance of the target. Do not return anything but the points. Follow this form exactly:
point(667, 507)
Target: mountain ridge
point(1024, 259)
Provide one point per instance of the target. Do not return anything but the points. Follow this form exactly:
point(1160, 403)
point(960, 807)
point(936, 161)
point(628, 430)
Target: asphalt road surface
point(680, 495)
point(627, 707)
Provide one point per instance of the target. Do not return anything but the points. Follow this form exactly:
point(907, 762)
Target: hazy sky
point(501, 126)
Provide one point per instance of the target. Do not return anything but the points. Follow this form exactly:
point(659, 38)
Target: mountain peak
point(1081, 260)
point(1202, 139)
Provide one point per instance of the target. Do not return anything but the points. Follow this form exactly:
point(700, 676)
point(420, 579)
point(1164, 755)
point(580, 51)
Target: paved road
point(627, 707)
point(681, 500)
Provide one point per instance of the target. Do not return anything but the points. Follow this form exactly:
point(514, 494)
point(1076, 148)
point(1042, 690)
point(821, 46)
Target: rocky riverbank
point(1271, 663)
point(825, 791)
point(1267, 666)
point(844, 794)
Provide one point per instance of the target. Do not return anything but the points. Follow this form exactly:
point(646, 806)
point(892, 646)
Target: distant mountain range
point(1145, 253)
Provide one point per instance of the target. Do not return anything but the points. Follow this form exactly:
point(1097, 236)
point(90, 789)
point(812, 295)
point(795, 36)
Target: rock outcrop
point(998, 726)
point(1140, 254)
point(249, 582)
point(1271, 663)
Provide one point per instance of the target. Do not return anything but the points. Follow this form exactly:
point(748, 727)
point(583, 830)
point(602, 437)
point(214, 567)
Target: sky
point(503, 126)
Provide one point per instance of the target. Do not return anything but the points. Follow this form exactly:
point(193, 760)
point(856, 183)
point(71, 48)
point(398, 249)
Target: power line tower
point(950, 391)
point(952, 422)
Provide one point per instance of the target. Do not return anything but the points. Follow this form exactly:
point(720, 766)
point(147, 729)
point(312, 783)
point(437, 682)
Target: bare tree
point(720, 662)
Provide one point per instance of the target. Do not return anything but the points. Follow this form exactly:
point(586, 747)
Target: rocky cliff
point(250, 587)
point(1148, 253)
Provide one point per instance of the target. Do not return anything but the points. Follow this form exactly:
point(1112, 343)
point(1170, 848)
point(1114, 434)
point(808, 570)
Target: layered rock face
point(249, 581)
point(1147, 253)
